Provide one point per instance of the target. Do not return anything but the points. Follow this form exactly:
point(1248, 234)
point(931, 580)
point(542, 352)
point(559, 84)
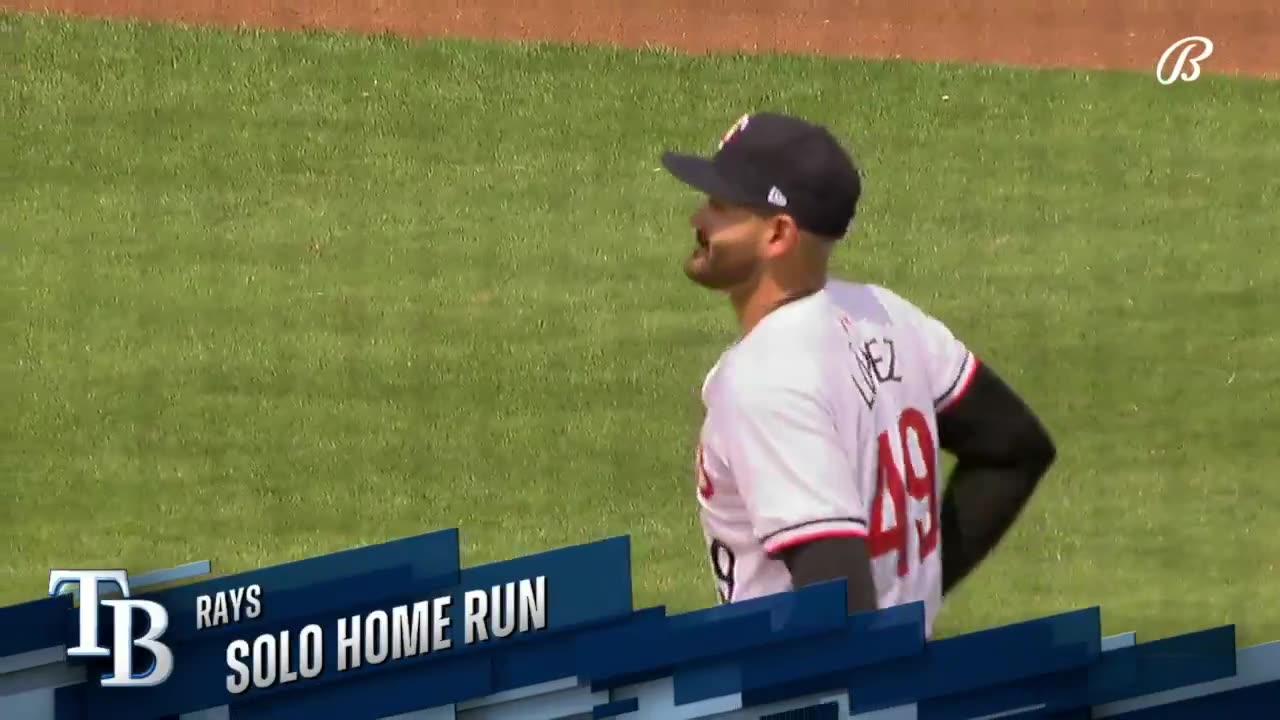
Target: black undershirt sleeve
point(835, 558)
point(1002, 450)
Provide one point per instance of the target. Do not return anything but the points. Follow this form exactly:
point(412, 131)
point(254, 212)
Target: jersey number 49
point(916, 479)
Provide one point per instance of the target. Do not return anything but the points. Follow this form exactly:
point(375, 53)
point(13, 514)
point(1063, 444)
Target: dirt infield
point(1070, 33)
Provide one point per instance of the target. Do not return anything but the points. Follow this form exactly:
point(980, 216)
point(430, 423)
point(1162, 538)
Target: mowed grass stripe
point(275, 295)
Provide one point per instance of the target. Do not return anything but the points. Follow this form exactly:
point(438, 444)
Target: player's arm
point(799, 488)
point(1002, 450)
point(835, 558)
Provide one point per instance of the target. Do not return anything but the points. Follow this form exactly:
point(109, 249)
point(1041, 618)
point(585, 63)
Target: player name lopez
point(380, 636)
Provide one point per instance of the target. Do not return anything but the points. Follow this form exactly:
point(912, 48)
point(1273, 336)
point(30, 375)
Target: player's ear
point(781, 234)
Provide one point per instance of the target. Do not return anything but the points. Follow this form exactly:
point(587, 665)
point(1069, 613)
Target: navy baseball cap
point(781, 163)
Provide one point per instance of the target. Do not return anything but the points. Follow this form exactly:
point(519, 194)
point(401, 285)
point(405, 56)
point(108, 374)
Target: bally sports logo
point(1190, 51)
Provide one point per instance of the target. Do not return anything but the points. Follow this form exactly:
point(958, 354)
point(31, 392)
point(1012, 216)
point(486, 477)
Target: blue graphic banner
point(400, 630)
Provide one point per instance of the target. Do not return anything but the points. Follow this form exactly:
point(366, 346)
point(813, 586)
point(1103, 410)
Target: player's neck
point(750, 309)
point(752, 306)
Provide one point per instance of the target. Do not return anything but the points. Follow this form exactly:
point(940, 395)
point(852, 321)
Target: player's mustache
point(701, 237)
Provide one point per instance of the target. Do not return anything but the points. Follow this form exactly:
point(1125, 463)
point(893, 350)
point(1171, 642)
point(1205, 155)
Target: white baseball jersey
point(822, 422)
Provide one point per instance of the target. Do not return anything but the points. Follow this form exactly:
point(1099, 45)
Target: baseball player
point(818, 455)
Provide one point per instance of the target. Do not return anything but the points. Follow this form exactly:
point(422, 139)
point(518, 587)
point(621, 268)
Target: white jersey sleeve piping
point(812, 530)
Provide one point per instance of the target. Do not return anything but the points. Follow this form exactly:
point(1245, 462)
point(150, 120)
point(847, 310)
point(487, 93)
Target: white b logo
point(1181, 53)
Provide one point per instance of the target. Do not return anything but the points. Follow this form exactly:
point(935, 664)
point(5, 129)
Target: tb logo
point(1190, 50)
point(122, 641)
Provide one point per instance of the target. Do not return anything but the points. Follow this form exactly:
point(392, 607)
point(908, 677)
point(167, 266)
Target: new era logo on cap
point(771, 161)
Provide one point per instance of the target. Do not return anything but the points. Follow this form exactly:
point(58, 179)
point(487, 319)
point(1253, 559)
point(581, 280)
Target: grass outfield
point(269, 296)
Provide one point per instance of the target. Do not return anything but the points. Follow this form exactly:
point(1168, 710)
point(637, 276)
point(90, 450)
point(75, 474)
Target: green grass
point(268, 296)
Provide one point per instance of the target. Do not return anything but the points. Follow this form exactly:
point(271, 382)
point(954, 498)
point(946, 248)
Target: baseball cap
point(769, 160)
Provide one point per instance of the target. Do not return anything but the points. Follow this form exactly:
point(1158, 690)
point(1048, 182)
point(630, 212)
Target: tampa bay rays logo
point(738, 127)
